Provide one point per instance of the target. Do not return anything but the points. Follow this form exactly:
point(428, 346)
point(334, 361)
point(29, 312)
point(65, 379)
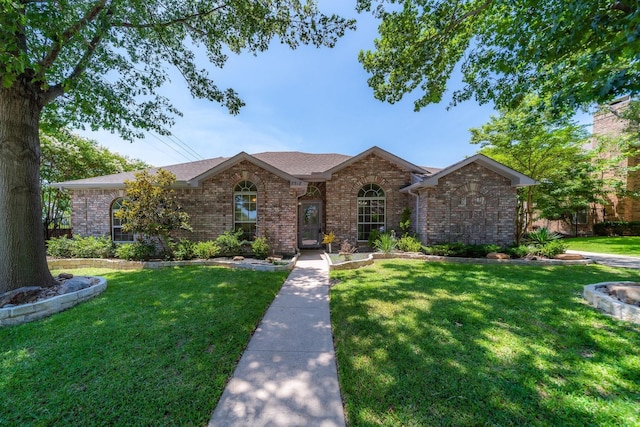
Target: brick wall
point(342, 192)
point(471, 205)
point(606, 122)
point(210, 208)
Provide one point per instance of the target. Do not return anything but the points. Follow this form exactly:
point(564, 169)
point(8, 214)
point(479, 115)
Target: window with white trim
point(245, 208)
point(371, 210)
point(117, 234)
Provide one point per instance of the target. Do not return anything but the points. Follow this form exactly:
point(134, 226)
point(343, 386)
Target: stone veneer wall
point(342, 192)
point(210, 207)
point(471, 205)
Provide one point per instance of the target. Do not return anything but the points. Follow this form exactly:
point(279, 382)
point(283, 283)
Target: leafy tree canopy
point(151, 207)
point(573, 52)
point(109, 57)
point(549, 149)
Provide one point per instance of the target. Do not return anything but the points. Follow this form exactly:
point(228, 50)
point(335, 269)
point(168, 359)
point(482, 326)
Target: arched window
point(313, 192)
point(245, 214)
point(371, 210)
point(117, 235)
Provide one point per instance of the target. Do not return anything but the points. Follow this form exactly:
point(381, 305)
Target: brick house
point(292, 198)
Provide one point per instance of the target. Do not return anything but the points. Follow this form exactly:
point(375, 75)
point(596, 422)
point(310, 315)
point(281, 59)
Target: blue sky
point(310, 100)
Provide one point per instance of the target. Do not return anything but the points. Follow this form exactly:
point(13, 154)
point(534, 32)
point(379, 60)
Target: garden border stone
point(609, 304)
point(347, 265)
point(37, 310)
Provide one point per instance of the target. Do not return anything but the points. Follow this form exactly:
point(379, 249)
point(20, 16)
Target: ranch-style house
point(293, 198)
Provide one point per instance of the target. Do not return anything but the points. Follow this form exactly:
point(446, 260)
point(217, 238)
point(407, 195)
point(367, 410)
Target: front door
point(310, 224)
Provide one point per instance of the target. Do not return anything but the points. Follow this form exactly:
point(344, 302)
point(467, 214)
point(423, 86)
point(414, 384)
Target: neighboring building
point(607, 122)
point(293, 198)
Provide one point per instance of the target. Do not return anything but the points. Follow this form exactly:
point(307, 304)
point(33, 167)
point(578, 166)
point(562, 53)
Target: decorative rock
point(568, 257)
point(627, 293)
point(497, 255)
point(274, 258)
point(19, 296)
point(65, 276)
point(74, 285)
point(238, 258)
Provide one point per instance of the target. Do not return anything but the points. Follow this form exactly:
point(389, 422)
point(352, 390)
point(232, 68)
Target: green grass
point(448, 344)
point(156, 348)
point(606, 245)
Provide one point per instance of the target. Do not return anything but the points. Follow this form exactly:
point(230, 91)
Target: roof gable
point(517, 179)
point(403, 164)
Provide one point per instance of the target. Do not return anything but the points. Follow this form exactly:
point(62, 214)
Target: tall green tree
point(100, 63)
point(574, 52)
point(546, 147)
point(151, 207)
point(66, 156)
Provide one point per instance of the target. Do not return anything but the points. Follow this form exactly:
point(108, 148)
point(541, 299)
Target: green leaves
point(573, 52)
point(109, 58)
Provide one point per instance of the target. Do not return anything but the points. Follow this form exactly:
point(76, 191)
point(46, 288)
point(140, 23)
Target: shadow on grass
point(157, 347)
point(446, 344)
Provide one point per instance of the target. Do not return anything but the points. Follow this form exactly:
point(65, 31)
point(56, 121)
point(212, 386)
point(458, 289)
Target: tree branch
point(182, 20)
point(67, 34)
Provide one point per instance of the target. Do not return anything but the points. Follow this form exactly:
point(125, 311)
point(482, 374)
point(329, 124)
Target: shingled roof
point(294, 163)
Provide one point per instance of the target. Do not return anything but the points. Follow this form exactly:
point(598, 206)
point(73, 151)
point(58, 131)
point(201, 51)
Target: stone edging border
point(118, 264)
point(27, 312)
point(609, 304)
point(348, 265)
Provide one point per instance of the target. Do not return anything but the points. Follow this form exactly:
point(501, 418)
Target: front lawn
point(462, 344)
point(156, 348)
point(606, 245)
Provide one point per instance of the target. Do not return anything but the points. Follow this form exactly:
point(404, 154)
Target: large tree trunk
point(23, 260)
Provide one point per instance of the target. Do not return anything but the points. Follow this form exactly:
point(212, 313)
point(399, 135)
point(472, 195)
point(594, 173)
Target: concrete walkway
point(611, 260)
point(287, 376)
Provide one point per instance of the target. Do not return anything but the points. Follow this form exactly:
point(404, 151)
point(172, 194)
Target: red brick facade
point(471, 204)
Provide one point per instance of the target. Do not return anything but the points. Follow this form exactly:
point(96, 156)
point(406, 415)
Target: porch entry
point(310, 224)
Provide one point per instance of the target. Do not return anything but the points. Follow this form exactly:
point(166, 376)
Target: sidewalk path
point(287, 376)
point(611, 260)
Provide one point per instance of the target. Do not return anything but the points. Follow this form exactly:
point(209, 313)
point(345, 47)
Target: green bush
point(92, 247)
point(409, 244)
point(463, 250)
point(260, 247)
point(230, 242)
point(552, 248)
point(541, 236)
point(519, 251)
point(386, 243)
point(617, 228)
point(374, 235)
point(137, 251)
point(206, 250)
point(182, 250)
point(59, 247)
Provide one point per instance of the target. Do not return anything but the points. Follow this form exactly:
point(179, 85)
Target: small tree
point(151, 207)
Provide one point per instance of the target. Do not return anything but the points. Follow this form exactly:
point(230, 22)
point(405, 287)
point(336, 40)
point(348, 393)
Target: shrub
point(409, 244)
point(206, 250)
point(230, 242)
point(386, 243)
point(347, 250)
point(552, 248)
point(260, 247)
point(137, 251)
point(617, 228)
point(59, 247)
point(182, 250)
point(541, 236)
point(519, 251)
point(374, 235)
point(458, 249)
point(405, 223)
point(92, 247)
